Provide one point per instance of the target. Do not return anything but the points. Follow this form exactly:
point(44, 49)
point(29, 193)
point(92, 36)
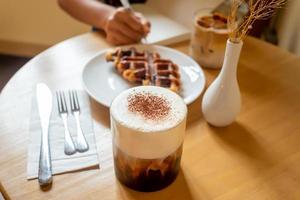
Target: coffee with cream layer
point(148, 122)
point(148, 126)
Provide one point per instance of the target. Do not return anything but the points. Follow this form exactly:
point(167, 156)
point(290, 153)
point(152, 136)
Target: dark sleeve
point(138, 1)
point(117, 3)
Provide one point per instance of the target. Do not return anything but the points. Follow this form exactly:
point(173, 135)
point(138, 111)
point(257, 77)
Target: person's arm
point(121, 25)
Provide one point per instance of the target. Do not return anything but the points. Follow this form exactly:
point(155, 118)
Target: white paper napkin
point(62, 163)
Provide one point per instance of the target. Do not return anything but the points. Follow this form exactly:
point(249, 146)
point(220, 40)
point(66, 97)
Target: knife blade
point(44, 102)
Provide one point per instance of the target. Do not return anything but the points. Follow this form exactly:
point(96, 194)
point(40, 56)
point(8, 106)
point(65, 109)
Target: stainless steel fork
point(81, 143)
point(63, 112)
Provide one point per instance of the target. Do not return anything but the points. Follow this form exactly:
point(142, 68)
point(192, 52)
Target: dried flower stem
point(258, 9)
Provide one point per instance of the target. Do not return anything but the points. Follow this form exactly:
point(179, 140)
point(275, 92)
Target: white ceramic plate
point(103, 83)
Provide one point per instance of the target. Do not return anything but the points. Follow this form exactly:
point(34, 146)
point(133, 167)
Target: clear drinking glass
point(148, 127)
point(208, 43)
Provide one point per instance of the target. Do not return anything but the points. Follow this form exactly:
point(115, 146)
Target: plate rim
point(201, 72)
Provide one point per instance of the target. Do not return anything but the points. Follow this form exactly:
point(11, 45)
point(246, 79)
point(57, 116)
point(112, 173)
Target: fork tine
point(76, 99)
point(61, 101)
point(70, 98)
point(58, 102)
point(64, 102)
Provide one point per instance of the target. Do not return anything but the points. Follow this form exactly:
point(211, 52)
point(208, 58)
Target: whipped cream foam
point(148, 122)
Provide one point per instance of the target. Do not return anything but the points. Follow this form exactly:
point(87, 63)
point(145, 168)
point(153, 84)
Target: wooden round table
point(257, 157)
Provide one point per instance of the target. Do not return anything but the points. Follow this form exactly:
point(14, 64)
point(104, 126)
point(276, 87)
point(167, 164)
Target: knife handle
point(45, 171)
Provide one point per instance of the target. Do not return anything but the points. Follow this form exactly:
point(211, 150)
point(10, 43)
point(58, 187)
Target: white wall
point(36, 21)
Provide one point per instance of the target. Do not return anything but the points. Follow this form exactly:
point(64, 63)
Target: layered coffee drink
point(209, 38)
point(148, 127)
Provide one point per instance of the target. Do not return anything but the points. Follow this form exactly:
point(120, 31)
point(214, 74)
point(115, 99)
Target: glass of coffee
point(148, 127)
point(208, 41)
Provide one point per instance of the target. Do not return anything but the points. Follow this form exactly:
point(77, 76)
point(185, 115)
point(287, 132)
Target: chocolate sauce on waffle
point(145, 68)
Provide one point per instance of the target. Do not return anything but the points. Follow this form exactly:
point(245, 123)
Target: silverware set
point(44, 102)
point(80, 144)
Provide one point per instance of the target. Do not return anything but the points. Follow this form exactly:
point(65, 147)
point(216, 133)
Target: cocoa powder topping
point(148, 105)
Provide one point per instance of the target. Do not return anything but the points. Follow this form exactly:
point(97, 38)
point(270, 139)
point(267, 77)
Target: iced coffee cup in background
point(209, 38)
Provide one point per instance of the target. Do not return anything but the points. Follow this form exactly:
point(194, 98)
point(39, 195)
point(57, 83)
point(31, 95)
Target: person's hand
point(124, 26)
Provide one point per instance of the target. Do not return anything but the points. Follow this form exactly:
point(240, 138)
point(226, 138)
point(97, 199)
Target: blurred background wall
point(29, 26)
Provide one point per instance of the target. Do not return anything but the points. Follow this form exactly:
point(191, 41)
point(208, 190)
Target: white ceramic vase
point(221, 101)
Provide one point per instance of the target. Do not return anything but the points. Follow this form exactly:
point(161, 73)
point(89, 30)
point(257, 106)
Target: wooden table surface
point(257, 157)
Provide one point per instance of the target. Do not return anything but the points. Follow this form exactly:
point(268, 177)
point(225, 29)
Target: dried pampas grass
point(258, 9)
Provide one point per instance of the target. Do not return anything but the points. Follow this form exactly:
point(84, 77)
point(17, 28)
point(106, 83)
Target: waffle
point(145, 68)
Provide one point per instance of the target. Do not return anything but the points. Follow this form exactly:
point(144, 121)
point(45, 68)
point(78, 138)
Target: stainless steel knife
point(44, 101)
